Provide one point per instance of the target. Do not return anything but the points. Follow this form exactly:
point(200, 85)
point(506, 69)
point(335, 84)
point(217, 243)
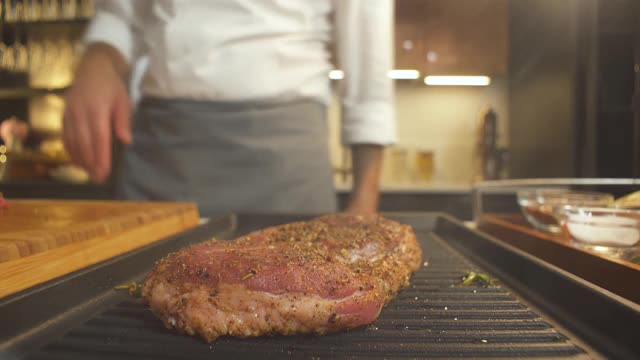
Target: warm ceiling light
point(393, 74)
point(336, 74)
point(404, 74)
point(457, 80)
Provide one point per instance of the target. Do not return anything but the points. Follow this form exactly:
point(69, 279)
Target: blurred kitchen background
point(486, 89)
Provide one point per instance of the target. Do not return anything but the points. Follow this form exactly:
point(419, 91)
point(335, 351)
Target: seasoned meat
point(329, 274)
point(368, 244)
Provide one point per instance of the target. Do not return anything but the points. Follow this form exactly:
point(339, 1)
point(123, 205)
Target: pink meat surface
point(330, 274)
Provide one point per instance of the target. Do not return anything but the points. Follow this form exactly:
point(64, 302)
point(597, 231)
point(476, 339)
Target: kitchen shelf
point(416, 188)
point(24, 92)
point(77, 21)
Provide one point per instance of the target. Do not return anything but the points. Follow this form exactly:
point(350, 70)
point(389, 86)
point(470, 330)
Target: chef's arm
point(106, 55)
point(364, 39)
point(113, 35)
point(367, 164)
point(97, 103)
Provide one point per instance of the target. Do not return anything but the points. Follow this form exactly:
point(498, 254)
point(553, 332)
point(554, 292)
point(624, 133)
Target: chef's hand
point(13, 132)
point(367, 165)
point(97, 103)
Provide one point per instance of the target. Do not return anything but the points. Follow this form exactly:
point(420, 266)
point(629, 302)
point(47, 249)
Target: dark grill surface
point(434, 317)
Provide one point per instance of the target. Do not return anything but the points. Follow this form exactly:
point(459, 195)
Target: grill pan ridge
point(435, 317)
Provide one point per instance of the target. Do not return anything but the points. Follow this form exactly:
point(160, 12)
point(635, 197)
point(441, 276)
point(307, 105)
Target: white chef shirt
point(256, 50)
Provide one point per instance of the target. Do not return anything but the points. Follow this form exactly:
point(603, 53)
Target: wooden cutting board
point(44, 239)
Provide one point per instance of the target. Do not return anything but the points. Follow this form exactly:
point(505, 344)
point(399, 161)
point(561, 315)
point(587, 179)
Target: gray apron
point(256, 157)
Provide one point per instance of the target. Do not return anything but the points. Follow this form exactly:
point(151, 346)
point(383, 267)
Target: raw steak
point(329, 274)
point(370, 245)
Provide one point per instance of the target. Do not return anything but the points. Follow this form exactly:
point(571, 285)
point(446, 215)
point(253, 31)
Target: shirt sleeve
point(364, 40)
point(113, 25)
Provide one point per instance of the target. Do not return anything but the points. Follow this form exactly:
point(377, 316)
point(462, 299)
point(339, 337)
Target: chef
point(234, 101)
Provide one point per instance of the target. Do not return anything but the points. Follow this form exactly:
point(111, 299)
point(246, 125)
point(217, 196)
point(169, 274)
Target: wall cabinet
point(441, 37)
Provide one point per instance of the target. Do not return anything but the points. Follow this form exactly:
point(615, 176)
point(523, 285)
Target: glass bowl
point(538, 205)
point(610, 231)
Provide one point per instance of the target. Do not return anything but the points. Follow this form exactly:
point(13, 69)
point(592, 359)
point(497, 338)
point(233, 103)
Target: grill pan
point(536, 310)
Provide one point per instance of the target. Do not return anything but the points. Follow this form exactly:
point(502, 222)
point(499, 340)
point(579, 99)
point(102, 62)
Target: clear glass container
point(538, 205)
point(497, 210)
point(614, 232)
